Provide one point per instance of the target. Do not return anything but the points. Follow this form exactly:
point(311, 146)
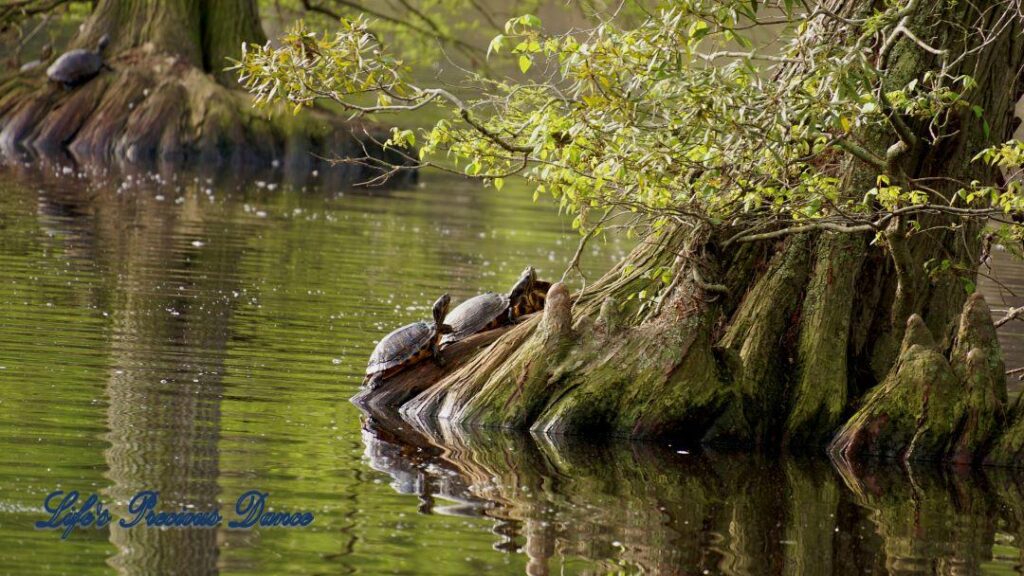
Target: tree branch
point(1011, 314)
point(463, 46)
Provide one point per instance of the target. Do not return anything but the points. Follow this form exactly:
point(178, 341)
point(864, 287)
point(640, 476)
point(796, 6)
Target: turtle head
point(523, 286)
point(103, 43)
point(440, 311)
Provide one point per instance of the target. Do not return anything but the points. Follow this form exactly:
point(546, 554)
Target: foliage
point(428, 31)
point(690, 117)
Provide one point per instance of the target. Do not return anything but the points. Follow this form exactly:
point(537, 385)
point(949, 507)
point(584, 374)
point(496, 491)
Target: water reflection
point(163, 413)
point(164, 418)
point(643, 508)
point(201, 337)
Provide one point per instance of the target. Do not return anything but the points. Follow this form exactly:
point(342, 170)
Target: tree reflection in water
point(164, 409)
point(649, 508)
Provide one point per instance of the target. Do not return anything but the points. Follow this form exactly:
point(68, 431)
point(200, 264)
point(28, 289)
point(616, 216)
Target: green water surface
point(201, 338)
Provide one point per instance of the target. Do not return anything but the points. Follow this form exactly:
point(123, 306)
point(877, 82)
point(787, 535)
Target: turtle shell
point(475, 315)
point(75, 67)
point(399, 347)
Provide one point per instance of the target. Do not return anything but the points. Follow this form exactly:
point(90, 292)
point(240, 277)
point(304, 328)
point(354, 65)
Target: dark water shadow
point(650, 508)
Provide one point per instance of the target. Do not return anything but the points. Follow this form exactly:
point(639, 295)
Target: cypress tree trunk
point(167, 97)
point(808, 326)
point(204, 33)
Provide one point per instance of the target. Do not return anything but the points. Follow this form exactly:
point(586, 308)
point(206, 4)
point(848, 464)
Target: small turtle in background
point(490, 310)
point(408, 345)
point(76, 67)
point(44, 56)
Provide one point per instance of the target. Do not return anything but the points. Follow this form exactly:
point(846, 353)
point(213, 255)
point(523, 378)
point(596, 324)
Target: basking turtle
point(407, 346)
point(78, 66)
point(488, 311)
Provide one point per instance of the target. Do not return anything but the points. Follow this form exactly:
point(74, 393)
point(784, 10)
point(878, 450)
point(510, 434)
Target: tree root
point(931, 407)
point(594, 365)
point(158, 109)
point(585, 367)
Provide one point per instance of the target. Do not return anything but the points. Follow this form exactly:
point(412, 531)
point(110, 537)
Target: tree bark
point(204, 33)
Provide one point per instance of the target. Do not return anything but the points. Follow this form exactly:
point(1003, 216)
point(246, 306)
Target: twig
point(574, 264)
point(1011, 314)
point(461, 45)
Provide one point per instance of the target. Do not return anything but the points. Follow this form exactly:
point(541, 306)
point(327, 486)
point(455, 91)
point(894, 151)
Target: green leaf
point(530, 20)
point(499, 183)
point(524, 63)
point(495, 45)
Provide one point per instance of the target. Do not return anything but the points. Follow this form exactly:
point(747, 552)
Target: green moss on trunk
point(914, 413)
point(820, 393)
point(762, 333)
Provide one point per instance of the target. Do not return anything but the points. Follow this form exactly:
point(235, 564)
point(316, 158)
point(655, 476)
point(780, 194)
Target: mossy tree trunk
point(168, 97)
point(776, 343)
point(203, 33)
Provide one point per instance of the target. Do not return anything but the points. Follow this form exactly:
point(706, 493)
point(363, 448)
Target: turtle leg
point(435, 353)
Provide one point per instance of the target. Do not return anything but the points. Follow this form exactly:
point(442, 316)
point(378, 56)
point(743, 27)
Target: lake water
point(202, 339)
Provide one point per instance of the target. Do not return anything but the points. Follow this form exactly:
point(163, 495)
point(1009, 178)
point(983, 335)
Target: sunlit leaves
point(307, 66)
point(664, 121)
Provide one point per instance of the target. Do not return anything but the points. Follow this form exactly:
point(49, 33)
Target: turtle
point(76, 67)
point(31, 65)
point(408, 345)
point(491, 310)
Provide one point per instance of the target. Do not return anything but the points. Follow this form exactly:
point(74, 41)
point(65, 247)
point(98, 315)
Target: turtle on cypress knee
point(408, 345)
point(490, 310)
point(76, 67)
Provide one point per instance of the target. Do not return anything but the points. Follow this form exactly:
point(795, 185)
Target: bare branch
point(1011, 314)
